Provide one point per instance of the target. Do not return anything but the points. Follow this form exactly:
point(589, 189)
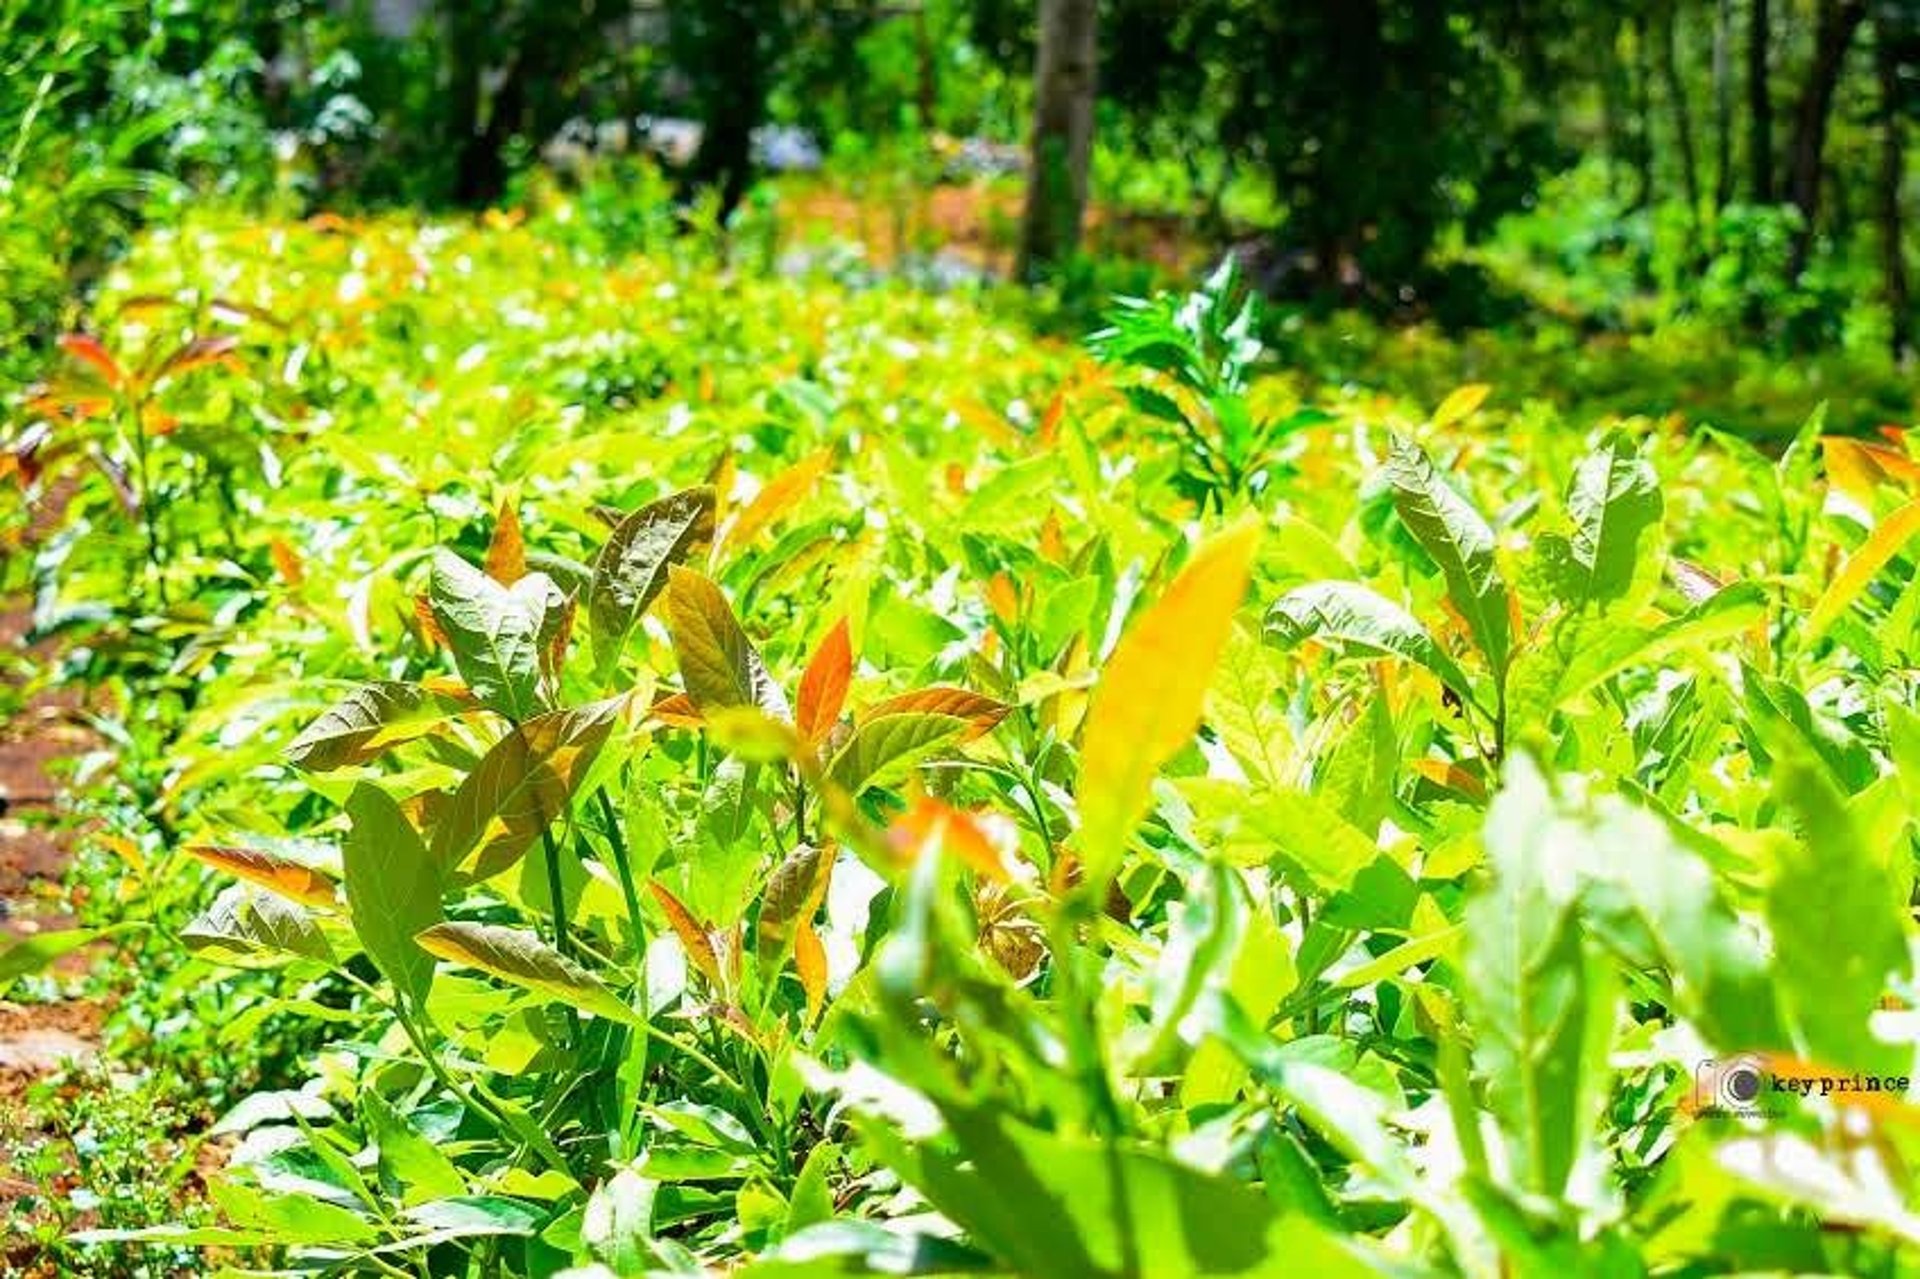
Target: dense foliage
point(730, 768)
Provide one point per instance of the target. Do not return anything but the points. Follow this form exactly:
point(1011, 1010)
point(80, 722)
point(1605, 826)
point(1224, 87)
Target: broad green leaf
point(1354, 617)
point(246, 925)
point(496, 632)
point(520, 957)
point(1540, 1004)
point(521, 786)
point(1356, 776)
point(883, 749)
point(368, 721)
point(1836, 923)
point(1459, 540)
point(393, 889)
point(618, 1225)
point(1614, 500)
point(632, 567)
point(31, 954)
point(1245, 708)
point(1256, 827)
point(290, 1218)
point(857, 1248)
point(408, 1160)
point(1887, 540)
point(717, 663)
point(1460, 403)
point(1584, 653)
point(1148, 702)
point(1117, 1210)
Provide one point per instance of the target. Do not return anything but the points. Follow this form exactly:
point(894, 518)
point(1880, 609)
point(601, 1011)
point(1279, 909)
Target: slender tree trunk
point(1759, 105)
point(1643, 114)
point(1722, 105)
point(1063, 100)
point(1892, 177)
point(1613, 107)
point(1833, 33)
point(1676, 91)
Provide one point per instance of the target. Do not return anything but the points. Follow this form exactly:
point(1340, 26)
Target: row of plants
point(702, 772)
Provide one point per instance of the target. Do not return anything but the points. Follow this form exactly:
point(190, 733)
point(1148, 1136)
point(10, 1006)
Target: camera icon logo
point(1728, 1085)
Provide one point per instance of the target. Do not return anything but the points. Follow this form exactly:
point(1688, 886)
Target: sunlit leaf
point(519, 957)
point(632, 568)
point(1148, 702)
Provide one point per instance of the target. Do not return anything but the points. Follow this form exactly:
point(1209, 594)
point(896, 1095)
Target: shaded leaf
point(632, 568)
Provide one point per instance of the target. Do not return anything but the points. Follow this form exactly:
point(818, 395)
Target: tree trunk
point(1722, 105)
point(1676, 91)
point(1833, 32)
point(1892, 176)
point(1759, 105)
point(1063, 99)
point(1642, 115)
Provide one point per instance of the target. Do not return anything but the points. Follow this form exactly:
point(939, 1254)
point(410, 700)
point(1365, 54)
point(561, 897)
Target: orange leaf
point(429, 625)
point(1003, 598)
point(1451, 776)
point(507, 552)
point(87, 350)
point(823, 685)
point(930, 827)
point(290, 879)
point(286, 562)
point(780, 495)
point(698, 943)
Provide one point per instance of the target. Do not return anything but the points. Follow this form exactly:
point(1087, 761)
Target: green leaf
point(1256, 827)
point(246, 925)
point(408, 1161)
point(1354, 617)
point(1356, 776)
point(34, 953)
point(1836, 923)
point(1583, 654)
point(882, 749)
point(520, 957)
point(1541, 1006)
point(718, 664)
point(1459, 540)
point(496, 632)
point(1115, 1209)
point(618, 1225)
point(368, 721)
point(393, 889)
point(1614, 499)
point(631, 569)
point(523, 784)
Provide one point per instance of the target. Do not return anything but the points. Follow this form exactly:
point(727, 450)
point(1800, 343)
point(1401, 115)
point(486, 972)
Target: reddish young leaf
point(823, 686)
point(696, 939)
point(87, 349)
point(507, 552)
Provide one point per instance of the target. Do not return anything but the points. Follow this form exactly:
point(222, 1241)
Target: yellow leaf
point(1862, 567)
point(810, 960)
point(1148, 701)
point(1460, 404)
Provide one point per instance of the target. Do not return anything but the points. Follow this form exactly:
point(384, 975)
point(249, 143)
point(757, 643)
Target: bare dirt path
point(37, 1038)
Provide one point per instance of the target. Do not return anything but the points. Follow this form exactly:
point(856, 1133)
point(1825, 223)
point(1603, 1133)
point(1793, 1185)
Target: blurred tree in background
point(1371, 153)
